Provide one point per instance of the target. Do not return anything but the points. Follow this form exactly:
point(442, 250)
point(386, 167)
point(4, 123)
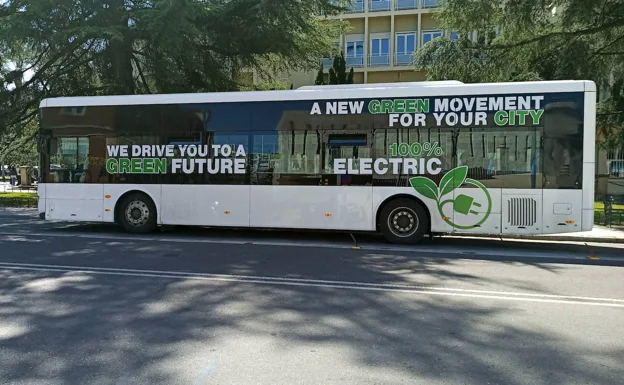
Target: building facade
point(383, 36)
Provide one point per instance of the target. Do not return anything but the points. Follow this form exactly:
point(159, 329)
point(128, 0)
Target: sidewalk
point(6, 187)
point(599, 234)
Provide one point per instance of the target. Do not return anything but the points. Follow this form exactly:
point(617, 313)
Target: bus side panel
point(74, 202)
point(312, 207)
point(381, 194)
point(563, 211)
point(41, 188)
point(475, 210)
point(112, 193)
point(205, 205)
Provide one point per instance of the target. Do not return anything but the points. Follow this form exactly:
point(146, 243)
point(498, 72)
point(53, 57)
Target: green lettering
point(500, 118)
point(386, 106)
point(136, 166)
point(536, 115)
point(148, 165)
point(374, 107)
point(161, 165)
point(124, 165)
point(512, 118)
point(522, 116)
point(399, 105)
point(410, 106)
point(112, 166)
point(423, 105)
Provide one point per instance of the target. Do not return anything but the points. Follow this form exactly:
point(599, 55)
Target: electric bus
point(404, 159)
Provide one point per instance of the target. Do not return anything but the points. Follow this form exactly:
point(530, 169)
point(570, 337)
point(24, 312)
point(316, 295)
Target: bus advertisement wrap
point(416, 158)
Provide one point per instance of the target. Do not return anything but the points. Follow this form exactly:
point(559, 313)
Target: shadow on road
point(81, 328)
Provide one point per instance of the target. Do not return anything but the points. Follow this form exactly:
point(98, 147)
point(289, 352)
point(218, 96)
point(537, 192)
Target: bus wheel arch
point(413, 209)
point(136, 212)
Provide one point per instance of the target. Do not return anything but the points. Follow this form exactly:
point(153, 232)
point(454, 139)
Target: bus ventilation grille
point(522, 212)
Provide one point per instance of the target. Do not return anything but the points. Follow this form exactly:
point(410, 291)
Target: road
point(88, 304)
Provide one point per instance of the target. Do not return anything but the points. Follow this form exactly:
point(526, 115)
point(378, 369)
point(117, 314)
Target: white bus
point(404, 159)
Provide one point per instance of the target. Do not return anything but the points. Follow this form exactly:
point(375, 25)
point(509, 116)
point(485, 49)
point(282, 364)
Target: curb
point(554, 238)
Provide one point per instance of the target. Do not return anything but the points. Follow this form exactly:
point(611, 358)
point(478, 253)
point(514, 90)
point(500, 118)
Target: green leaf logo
point(453, 179)
point(425, 187)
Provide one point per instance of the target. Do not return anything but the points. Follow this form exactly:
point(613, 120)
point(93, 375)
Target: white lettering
point(441, 105)
point(226, 150)
point(406, 120)
point(112, 151)
point(378, 166)
point(356, 107)
point(330, 108)
point(339, 166)
point(343, 108)
point(136, 150)
point(316, 110)
point(240, 151)
point(393, 119)
point(175, 165)
point(482, 104)
point(481, 118)
point(366, 165)
point(419, 120)
point(239, 166)
point(438, 117)
point(430, 169)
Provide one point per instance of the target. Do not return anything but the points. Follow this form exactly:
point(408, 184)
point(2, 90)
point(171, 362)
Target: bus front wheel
point(137, 213)
point(403, 221)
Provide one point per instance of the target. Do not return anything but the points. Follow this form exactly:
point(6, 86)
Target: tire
point(409, 215)
point(137, 213)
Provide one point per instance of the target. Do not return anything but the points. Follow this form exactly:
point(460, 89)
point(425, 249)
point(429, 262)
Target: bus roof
point(380, 85)
point(361, 91)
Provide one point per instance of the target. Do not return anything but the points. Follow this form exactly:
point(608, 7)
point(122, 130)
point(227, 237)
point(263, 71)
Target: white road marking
point(346, 285)
point(438, 249)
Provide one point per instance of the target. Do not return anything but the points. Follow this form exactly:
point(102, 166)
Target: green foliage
point(337, 72)
point(18, 199)
point(537, 40)
point(95, 47)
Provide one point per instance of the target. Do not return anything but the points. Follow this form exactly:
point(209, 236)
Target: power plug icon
point(463, 204)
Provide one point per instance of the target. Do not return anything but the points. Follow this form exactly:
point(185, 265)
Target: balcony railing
point(616, 168)
point(379, 60)
point(327, 62)
point(379, 5)
point(405, 4)
point(430, 3)
point(355, 61)
point(403, 59)
point(355, 7)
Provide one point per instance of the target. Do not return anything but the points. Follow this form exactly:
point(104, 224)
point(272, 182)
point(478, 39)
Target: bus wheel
point(403, 221)
point(137, 213)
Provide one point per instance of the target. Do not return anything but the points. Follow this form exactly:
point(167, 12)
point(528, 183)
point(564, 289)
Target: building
point(383, 36)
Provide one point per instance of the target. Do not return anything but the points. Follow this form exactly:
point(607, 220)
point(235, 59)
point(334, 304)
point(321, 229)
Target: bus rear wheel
point(137, 213)
point(403, 221)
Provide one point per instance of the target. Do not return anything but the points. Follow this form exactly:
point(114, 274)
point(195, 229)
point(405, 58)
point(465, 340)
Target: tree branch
point(143, 80)
point(585, 31)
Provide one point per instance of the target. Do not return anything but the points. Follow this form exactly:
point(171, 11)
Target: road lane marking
point(364, 247)
point(346, 285)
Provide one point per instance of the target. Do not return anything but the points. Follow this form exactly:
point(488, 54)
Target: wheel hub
point(403, 222)
point(137, 213)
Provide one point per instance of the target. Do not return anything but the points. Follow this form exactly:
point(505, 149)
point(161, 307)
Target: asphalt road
point(89, 304)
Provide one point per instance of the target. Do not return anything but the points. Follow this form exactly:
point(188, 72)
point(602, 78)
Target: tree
point(112, 47)
point(337, 72)
point(521, 40)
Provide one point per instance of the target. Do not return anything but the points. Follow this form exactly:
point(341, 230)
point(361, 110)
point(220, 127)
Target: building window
point(354, 54)
point(380, 52)
point(379, 5)
point(405, 46)
point(430, 35)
